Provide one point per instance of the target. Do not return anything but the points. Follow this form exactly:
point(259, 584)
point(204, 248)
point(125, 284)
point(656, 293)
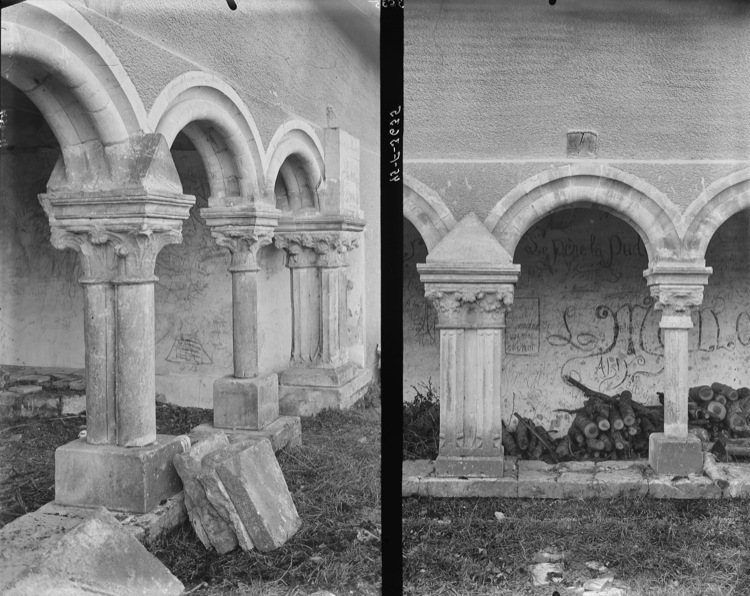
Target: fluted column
point(677, 289)
point(469, 278)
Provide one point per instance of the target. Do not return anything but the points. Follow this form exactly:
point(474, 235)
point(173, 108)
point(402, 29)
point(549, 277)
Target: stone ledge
point(285, 431)
point(609, 479)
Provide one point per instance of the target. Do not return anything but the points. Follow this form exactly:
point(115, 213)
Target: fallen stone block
point(70, 550)
point(249, 476)
point(210, 527)
point(26, 389)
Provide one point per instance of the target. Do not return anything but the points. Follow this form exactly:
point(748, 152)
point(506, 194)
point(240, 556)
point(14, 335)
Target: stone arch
point(216, 120)
point(295, 168)
point(56, 58)
point(715, 205)
point(624, 195)
point(424, 208)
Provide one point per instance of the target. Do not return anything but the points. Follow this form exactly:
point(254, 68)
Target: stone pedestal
point(469, 278)
point(120, 479)
point(247, 399)
point(677, 288)
point(319, 375)
point(122, 464)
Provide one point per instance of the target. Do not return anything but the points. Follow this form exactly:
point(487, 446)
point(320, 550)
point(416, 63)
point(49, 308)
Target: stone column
point(122, 463)
point(470, 278)
point(677, 290)
point(320, 374)
point(245, 400)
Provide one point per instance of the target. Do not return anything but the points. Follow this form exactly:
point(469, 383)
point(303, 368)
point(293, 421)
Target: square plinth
point(470, 466)
point(675, 455)
point(309, 399)
point(132, 479)
point(250, 404)
point(285, 431)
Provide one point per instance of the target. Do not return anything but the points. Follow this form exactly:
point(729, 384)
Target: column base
point(131, 479)
point(675, 455)
point(307, 391)
point(285, 431)
point(470, 466)
point(250, 404)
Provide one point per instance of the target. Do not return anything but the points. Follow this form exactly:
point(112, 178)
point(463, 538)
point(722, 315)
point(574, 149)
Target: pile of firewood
point(618, 427)
point(719, 412)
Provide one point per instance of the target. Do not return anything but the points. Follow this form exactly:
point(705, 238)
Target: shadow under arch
point(424, 208)
point(58, 60)
point(624, 195)
point(715, 205)
point(215, 119)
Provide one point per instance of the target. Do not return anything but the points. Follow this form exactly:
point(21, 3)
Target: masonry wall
point(582, 308)
point(290, 60)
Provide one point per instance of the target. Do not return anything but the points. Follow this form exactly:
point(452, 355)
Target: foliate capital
point(470, 306)
point(243, 242)
point(317, 249)
point(676, 300)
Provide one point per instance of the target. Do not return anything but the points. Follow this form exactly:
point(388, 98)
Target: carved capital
point(96, 253)
point(470, 307)
point(243, 242)
point(137, 250)
point(676, 300)
point(317, 249)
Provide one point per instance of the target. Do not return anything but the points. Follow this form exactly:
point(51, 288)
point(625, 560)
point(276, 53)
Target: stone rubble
point(236, 494)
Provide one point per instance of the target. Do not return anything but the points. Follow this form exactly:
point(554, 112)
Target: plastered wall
point(582, 308)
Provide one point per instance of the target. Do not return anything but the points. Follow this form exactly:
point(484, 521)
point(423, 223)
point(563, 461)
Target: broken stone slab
point(34, 379)
point(252, 479)
point(77, 385)
point(73, 550)
point(210, 527)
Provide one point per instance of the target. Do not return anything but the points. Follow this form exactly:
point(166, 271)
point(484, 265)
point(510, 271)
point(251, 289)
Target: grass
point(334, 478)
point(457, 546)
point(421, 423)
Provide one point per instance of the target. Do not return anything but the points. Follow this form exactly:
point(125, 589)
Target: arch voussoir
point(424, 208)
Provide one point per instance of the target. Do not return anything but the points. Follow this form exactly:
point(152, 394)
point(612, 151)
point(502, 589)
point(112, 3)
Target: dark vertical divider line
point(391, 240)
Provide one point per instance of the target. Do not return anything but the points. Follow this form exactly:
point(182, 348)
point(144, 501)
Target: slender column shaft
point(135, 369)
point(245, 323)
point(306, 316)
point(675, 331)
point(331, 310)
point(99, 337)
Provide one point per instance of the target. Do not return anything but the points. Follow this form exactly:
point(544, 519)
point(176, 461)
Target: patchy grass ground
point(656, 547)
point(334, 478)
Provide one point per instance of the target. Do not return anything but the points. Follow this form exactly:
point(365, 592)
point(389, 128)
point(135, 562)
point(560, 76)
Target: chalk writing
point(188, 350)
point(522, 331)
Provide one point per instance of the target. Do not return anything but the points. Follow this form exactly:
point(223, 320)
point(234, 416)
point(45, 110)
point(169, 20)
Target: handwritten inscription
point(188, 350)
point(522, 331)
point(395, 142)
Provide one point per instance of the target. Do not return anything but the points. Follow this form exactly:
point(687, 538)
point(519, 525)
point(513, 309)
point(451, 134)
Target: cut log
point(626, 408)
point(721, 399)
point(587, 391)
point(594, 445)
point(701, 393)
point(509, 443)
point(701, 433)
point(618, 441)
point(633, 429)
point(743, 392)
point(577, 436)
point(589, 429)
point(603, 423)
point(522, 435)
point(716, 410)
point(646, 425)
point(607, 442)
point(563, 448)
point(615, 419)
point(738, 447)
point(725, 390)
point(714, 472)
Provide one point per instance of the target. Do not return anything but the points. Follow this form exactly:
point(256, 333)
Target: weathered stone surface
point(148, 527)
point(285, 431)
point(78, 385)
point(61, 384)
point(73, 404)
point(682, 487)
point(617, 482)
point(25, 389)
point(675, 455)
point(119, 478)
point(487, 467)
point(308, 400)
point(420, 467)
point(469, 487)
point(34, 379)
point(256, 486)
point(210, 527)
point(66, 550)
point(250, 404)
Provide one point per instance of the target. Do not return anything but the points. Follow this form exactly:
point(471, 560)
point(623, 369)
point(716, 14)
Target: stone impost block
point(675, 455)
point(134, 479)
point(210, 527)
point(250, 404)
point(308, 400)
point(254, 483)
point(285, 431)
point(69, 550)
point(469, 466)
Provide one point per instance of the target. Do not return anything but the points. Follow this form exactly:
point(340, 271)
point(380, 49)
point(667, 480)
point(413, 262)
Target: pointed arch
point(624, 195)
point(715, 205)
point(216, 120)
point(424, 208)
